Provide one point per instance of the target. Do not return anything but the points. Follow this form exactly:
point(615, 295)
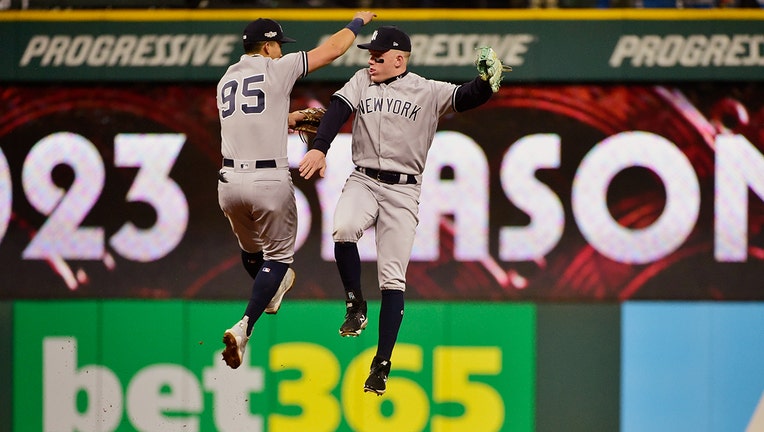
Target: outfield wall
point(589, 251)
point(156, 366)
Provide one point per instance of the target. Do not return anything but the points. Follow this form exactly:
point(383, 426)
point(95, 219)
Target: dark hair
point(254, 47)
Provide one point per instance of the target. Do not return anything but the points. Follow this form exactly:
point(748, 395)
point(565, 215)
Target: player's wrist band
point(355, 25)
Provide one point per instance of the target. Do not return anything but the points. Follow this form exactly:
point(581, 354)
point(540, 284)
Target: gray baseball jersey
point(255, 189)
point(253, 105)
point(395, 123)
point(393, 129)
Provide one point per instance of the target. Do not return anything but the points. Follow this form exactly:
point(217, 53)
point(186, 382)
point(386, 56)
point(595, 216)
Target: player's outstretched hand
point(366, 16)
point(313, 161)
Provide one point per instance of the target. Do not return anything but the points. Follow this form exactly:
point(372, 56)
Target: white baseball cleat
point(284, 287)
point(235, 340)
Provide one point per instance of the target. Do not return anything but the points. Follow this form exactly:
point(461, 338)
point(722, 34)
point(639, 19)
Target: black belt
point(389, 177)
point(263, 163)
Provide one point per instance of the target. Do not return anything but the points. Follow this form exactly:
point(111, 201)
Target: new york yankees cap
point(386, 38)
point(264, 30)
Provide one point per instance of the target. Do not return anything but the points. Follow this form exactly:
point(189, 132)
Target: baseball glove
point(490, 68)
point(307, 127)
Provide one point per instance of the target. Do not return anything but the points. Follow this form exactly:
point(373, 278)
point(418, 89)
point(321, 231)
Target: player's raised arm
point(339, 42)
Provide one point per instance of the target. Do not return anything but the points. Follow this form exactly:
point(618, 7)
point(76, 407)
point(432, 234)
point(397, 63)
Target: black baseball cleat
point(355, 319)
point(377, 380)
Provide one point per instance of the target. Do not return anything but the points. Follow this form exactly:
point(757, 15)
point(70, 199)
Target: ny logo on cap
point(374, 35)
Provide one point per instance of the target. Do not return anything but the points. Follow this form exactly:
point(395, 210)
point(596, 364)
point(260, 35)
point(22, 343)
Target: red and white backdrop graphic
point(548, 193)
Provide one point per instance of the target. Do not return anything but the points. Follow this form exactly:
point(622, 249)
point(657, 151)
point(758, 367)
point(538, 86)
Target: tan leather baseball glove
point(307, 127)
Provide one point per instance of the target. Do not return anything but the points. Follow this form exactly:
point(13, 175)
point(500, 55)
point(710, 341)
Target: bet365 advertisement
point(128, 365)
point(547, 192)
point(156, 366)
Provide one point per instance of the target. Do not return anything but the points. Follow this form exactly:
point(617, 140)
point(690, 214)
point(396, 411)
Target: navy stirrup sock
point(349, 266)
point(263, 289)
point(252, 262)
point(390, 318)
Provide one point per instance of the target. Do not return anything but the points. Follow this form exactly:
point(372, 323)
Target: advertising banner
point(692, 366)
point(157, 366)
point(575, 192)
point(541, 45)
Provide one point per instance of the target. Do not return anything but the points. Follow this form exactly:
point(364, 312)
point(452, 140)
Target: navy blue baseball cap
point(386, 38)
point(264, 30)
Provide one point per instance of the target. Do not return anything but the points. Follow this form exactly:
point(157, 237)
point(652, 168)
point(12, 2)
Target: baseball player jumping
point(255, 189)
point(396, 116)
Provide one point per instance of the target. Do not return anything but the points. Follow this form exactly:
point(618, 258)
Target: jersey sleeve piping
point(345, 100)
point(304, 64)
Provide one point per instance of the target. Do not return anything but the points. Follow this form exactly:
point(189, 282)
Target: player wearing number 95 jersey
point(255, 189)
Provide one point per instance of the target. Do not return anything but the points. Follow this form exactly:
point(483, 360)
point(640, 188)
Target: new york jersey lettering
point(394, 106)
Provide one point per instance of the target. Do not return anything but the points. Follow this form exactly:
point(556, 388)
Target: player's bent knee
point(348, 235)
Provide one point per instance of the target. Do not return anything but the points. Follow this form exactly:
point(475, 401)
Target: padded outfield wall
point(589, 250)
